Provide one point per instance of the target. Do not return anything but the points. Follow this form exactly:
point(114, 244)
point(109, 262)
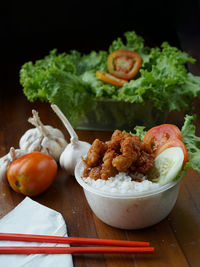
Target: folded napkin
point(30, 217)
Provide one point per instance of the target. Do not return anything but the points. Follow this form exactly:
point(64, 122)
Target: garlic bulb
point(75, 149)
point(43, 138)
point(72, 154)
point(7, 159)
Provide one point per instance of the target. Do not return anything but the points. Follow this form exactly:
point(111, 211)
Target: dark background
point(30, 30)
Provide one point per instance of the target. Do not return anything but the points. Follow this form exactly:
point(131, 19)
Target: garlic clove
point(75, 149)
point(7, 159)
point(53, 147)
point(71, 155)
point(43, 138)
point(28, 137)
point(54, 132)
point(32, 145)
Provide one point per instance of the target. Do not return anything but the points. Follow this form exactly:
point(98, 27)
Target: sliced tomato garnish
point(106, 77)
point(159, 135)
point(124, 64)
point(164, 136)
point(174, 143)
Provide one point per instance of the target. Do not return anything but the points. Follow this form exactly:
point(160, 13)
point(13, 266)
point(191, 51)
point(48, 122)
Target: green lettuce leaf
point(139, 131)
point(65, 89)
point(91, 61)
point(99, 88)
point(192, 143)
point(132, 42)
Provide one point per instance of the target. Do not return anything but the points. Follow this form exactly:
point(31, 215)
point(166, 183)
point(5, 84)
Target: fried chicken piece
point(95, 173)
point(125, 135)
point(86, 172)
point(114, 143)
point(145, 162)
point(130, 148)
point(122, 153)
point(116, 140)
point(95, 153)
point(108, 170)
point(147, 148)
point(137, 144)
point(133, 168)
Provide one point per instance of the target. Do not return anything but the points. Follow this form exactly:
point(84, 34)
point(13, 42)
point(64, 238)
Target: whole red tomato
point(32, 173)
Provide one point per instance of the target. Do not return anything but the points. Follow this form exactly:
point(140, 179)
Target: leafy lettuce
point(192, 143)
point(139, 131)
point(68, 79)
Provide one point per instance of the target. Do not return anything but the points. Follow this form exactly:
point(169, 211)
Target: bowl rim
point(79, 167)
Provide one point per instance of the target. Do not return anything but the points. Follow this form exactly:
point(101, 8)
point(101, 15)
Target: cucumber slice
point(168, 164)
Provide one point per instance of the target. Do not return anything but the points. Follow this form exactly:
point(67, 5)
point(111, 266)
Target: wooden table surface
point(176, 239)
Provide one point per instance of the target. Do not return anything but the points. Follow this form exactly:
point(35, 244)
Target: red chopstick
point(118, 246)
point(70, 240)
point(74, 250)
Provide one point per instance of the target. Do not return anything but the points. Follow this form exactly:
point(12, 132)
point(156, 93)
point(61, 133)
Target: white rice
point(121, 184)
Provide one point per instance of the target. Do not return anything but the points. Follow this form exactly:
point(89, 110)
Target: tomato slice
point(174, 143)
point(106, 77)
point(159, 135)
point(124, 64)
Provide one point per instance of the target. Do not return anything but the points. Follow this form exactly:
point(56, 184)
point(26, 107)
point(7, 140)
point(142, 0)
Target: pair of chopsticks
point(108, 245)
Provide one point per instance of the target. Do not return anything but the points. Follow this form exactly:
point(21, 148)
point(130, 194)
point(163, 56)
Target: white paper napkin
point(30, 217)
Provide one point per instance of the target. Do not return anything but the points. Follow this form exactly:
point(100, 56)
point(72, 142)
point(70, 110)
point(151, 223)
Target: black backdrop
point(30, 30)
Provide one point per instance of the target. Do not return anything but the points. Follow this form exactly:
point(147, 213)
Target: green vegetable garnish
point(192, 143)
point(68, 79)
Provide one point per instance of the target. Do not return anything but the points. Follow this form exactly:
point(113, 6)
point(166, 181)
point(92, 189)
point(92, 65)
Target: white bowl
point(129, 211)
